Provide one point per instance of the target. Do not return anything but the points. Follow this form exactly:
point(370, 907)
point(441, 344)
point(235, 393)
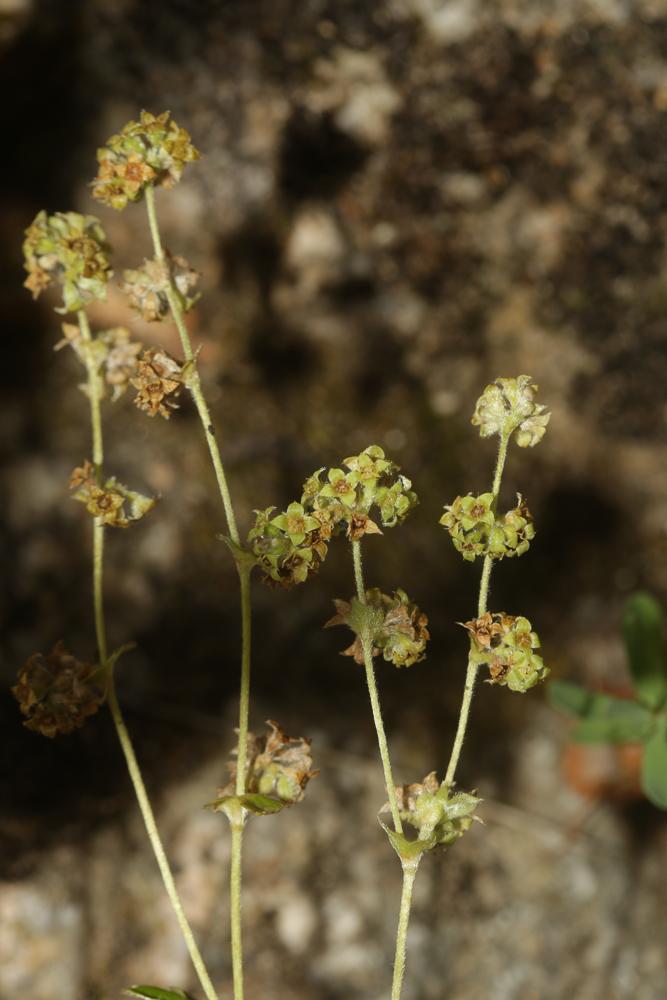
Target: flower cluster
point(398, 628)
point(57, 692)
point(277, 765)
point(71, 250)
point(439, 817)
point(108, 501)
point(114, 355)
point(291, 545)
point(508, 405)
point(348, 497)
point(507, 644)
point(158, 381)
point(147, 287)
point(153, 150)
point(477, 531)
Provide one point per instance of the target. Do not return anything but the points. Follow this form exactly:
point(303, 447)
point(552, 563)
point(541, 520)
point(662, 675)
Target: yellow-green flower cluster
point(476, 530)
point(508, 405)
point(507, 644)
point(439, 817)
point(289, 546)
point(153, 150)
point(398, 628)
point(348, 497)
point(71, 250)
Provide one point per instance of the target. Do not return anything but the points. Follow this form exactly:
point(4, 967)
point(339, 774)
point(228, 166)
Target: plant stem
point(156, 843)
point(471, 673)
point(409, 874)
point(367, 646)
point(116, 714)
point(235, 907)
point(194, 384)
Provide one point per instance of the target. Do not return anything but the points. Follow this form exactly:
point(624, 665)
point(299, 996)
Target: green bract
point(476, 531)
point(508, 405)
point(71, 250)
point(153, 150)
point(507, 644)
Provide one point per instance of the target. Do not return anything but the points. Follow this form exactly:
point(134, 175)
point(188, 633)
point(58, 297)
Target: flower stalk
point(194, 384)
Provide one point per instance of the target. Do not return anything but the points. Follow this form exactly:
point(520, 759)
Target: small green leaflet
point(654, 768)
point(643, 629)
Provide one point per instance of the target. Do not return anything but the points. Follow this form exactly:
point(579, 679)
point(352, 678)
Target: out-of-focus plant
point(642, 719)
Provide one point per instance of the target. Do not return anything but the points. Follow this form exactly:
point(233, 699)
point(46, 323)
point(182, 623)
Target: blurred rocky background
point(397, 201)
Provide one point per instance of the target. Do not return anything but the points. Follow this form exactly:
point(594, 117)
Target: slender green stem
point(367, 646)
point(194, 384)
point(116, 714)
point(471, 673)
point(156, 843)
point(235, 907)
point(409, 875)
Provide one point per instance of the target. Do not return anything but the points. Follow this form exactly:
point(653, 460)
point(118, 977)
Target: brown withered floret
point(57, 692)
point(488, 630)
point(159, 380)
point(361, 524)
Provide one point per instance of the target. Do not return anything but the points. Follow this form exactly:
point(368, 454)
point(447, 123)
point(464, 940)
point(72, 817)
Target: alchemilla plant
point(354, 503)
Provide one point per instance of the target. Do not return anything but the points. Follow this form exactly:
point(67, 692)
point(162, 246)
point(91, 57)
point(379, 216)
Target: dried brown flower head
point(277, 765)
point(57, 692)
point(159, 380)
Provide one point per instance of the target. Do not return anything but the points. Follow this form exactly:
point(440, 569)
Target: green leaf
point(604, 718)
point(643, 628)
point(155, 993)
point(407, 850)
point(614, 729)
point(654, 769)
point(569, 698)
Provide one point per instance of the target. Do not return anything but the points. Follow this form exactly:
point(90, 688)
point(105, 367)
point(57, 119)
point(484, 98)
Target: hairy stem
point(116, 714)
point(235, 906)
point(194, 384)
point(409, 875)
point(367, 645)
point(471, 673)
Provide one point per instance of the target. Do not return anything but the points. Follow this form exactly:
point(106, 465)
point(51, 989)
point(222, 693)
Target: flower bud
point(508, 405)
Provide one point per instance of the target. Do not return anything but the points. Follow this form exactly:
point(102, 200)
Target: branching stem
point(471, 673)
point(367, 645)
point(116, 714)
